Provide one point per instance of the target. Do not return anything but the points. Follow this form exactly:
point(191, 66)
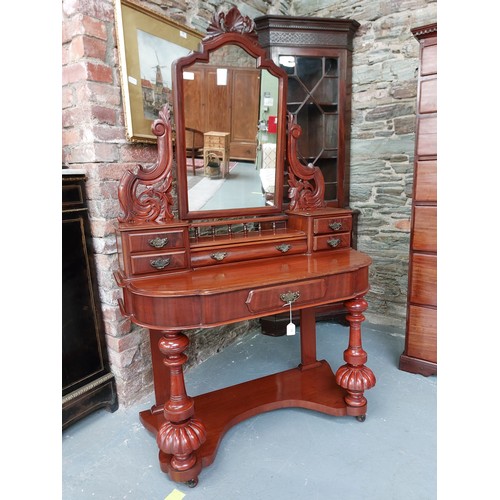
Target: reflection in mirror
point(234, 106)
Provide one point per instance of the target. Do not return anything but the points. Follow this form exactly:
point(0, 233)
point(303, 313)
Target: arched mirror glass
point(230, 129)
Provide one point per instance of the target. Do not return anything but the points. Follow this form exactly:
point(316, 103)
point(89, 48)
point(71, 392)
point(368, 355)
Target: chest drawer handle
point(334, 242)
point(158, 242)
point(219, 256)
point(289, 297)
point(335, 226)
point(160, 263)
point(283, 248)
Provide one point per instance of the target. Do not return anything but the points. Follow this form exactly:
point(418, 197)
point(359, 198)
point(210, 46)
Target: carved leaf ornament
point(231, 22)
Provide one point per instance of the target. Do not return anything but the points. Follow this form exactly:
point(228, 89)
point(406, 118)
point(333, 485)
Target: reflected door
point(229, 104)
point(245, 113)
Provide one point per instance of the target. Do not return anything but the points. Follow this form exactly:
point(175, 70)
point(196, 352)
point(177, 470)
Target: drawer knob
point(219, 256)
point(158, 242)
point(283, 248)
point(334, 242)
point(160, 263)
point(289, 297)
point(335, 226)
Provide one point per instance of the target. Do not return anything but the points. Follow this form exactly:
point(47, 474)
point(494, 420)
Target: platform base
point(313, 388)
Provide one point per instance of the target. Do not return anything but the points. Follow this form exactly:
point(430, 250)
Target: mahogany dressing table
point(234, 263)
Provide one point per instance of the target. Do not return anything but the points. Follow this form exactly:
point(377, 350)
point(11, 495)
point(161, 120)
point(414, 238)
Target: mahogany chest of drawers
point(420, 354)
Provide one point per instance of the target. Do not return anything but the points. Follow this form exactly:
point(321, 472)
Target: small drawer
point(332, 225)
point(422, 333)
point(223, 255)
point(423, 289)
point(332, 241)
point(425, 229)
point(428, 96)
point(157, 262)
point(216, 140)
point(428, 66)
point(275, 297)
point(426, 181)
point(149, 241)
point(427, 136)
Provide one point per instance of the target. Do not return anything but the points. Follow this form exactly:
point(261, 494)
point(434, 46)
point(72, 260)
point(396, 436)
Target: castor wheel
point(361, 418)
point(192, 482)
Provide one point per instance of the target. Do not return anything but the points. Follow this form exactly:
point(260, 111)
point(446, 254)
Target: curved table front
point(222, 294)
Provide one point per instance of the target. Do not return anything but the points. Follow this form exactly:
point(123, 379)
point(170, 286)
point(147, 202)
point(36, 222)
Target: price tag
point(290, 328)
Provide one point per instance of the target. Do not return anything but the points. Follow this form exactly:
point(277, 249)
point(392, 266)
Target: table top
point(250, 274)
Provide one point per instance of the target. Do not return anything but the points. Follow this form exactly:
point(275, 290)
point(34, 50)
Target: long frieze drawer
point(425, 229)
point(155, 262)
point(421, 335)
point(224, 255)
point(332, 225)
point(149, 241)
point(332, 241)
point(423, 289)
point(426, 181)
point(271, 298)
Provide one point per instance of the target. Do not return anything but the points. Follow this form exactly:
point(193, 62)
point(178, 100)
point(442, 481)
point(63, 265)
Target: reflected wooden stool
point(217, 143)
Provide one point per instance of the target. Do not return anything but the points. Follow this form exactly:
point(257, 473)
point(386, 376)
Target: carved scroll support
point(307, 185)
point(181, 434)
point(354, 376)
point(145, 195)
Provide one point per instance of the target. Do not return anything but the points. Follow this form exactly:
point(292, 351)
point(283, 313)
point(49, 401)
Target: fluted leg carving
point(181, 435)
point(354, 376)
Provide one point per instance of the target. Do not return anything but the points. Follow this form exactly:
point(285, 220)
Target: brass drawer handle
point(219, 256)
point(335, 226)
point(160, 263)
point(289, 297)
point(158, 242)
point(334, 242)
point(283, 248)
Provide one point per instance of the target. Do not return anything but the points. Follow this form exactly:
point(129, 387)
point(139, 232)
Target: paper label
point(290, 329)
point(175, 495)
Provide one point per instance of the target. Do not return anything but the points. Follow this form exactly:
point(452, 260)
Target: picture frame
point(148, 43)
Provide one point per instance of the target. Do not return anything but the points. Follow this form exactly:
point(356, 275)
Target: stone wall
point(94, 139)
point(384, 91)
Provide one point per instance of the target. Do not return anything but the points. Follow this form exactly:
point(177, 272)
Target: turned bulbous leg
point(354, 376)
point(181, 434)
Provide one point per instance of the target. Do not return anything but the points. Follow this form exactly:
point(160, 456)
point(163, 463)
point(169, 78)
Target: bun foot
point(361, 418)
point(192, 482)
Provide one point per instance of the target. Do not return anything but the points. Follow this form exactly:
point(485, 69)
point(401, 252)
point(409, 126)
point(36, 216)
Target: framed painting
point(148, 43)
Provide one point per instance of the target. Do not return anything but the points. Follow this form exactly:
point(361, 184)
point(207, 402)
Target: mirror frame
point(235, 29)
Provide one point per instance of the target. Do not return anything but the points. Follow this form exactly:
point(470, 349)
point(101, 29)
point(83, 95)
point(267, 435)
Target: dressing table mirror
point(230, 93)
point(205, 267)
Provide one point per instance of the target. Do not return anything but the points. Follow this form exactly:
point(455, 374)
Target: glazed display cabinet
point(316, 54)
